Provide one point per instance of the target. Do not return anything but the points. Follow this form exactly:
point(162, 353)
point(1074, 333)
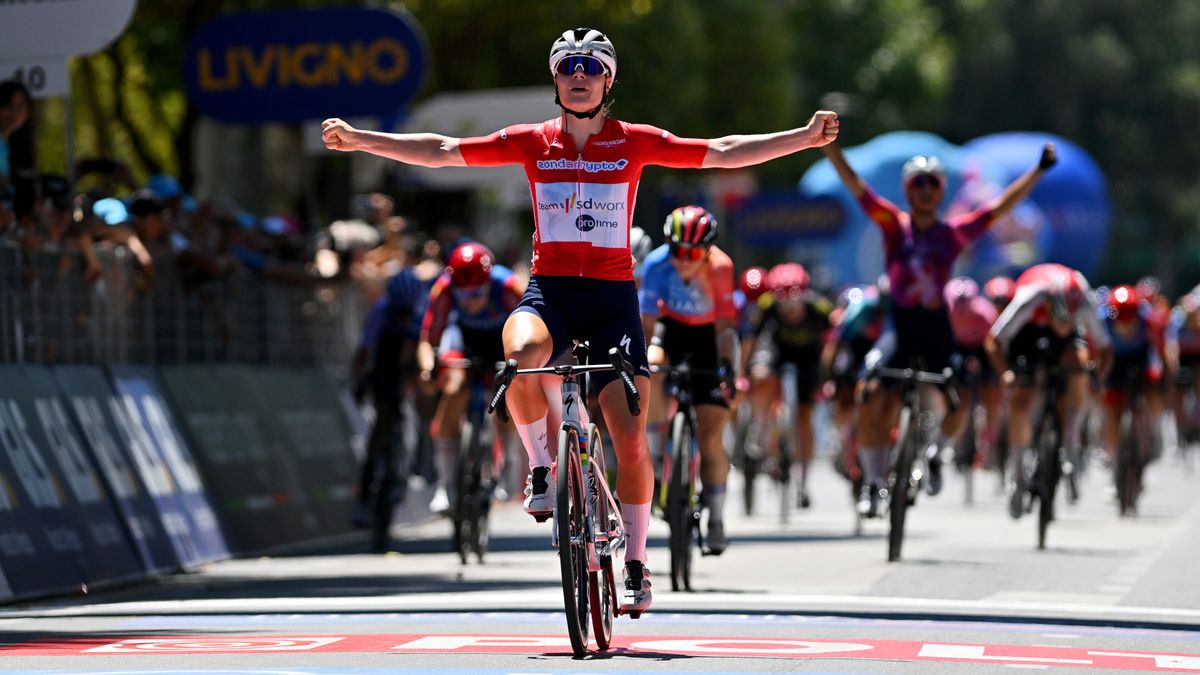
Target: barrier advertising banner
point(42, 544)
point(96, 409)
point(107, 544)
point(166, 464)
point(257, 491)
point(305, 425)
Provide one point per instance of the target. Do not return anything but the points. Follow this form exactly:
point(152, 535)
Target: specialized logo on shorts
point(625, 343)
point(581, 165)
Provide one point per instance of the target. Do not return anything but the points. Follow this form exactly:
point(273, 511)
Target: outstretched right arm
point(853, 182)
point(429, 150)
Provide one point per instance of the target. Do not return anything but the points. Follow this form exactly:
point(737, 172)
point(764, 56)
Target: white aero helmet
point(584, 42)
point(922, 165)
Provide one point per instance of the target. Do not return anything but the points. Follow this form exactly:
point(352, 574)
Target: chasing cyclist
point(919, 249)
point(1049, 322)
point(473, 297)
point(971, 317)
point(583, 167)
point(791, 329)
point(687, 306)
point(1137, 363)
point(1182, 352)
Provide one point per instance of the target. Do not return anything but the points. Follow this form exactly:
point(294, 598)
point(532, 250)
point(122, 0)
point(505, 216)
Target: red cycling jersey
point(583, 199)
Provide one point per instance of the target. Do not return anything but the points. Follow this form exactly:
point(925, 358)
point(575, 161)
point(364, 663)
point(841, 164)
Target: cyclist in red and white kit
point(1048, 323)
point(583, 168)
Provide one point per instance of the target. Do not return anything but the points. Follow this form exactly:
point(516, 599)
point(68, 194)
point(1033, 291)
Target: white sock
point(637, 521)
point(874, 463)
point(713, 497)
point(536, 440)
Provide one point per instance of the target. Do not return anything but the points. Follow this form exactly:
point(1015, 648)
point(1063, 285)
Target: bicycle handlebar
point(943, 380)
point(617, 363)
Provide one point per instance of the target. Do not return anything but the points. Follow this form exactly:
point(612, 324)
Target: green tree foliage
point(1121, 79)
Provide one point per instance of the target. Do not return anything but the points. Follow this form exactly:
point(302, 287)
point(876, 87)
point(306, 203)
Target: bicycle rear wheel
point(465, 514)
point(602, 585)
point(679, 503)
point(570, 517)
point(1049, 472)
point(906, 444)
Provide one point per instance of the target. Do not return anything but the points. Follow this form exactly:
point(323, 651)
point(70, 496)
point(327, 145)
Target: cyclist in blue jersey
point(392, 335)
point(1137, 361)
point(686, 303)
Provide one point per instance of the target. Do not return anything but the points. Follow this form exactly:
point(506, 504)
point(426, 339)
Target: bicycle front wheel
point(905, 454)
point(571, 519)
point(1049, 473)
point(602, 585)
point(679, 503)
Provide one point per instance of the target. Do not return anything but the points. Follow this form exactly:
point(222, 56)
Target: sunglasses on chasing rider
point(690, 253)
point(590, 65)
point(470, 294)
point(925, 180)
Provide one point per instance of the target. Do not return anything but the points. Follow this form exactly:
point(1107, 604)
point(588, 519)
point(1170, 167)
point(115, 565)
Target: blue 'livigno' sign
point(297, 65)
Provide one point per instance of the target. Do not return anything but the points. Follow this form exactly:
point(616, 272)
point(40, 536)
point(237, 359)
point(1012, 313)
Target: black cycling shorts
point(698, 345)
point(1034, 346)
point(807, 363)
point(921, 333)
point(605, 313)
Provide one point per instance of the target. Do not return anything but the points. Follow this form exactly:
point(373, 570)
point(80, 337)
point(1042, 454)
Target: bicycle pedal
point(635, 615)
point(542, 517)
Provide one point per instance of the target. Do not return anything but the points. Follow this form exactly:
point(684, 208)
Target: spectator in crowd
point(14, 112)
point(61, 234)
point(8, 217)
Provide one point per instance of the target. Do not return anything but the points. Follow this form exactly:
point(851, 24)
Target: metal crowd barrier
point(48, 314)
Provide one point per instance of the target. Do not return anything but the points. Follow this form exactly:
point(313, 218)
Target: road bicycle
point(916, 426)
point(588, 529)
point(678, 496)
point(474, 473)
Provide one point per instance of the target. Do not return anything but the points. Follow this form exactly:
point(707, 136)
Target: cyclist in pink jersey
point(920, 248)
point(971, 317)
point(583, 168)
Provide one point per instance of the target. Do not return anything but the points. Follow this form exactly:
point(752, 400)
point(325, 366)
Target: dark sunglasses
point(469, 294)
point(589, 64)
point(688, 252)
point(926, 180)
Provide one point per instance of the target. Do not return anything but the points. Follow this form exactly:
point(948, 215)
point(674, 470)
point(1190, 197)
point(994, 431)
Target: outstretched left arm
point(731, 152)
point(1021, 187)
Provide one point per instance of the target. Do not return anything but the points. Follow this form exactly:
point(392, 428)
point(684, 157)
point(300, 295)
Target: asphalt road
point(972, 595)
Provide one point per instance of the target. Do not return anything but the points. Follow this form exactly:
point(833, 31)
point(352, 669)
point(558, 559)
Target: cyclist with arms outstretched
point(919, 248)
point(583, 168)
point(687, 306)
